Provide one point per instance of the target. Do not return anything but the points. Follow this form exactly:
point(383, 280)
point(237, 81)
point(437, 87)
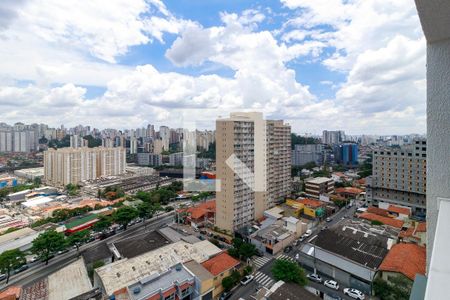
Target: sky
point(353, 65)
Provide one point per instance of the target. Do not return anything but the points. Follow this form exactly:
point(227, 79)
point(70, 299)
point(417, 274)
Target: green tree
point(103, 223)
point(228, 283)
point(288, 272)
point(247, 250)
point(146, 211)
point(78, 238)
point(10, 260)
point(124, 215)
point(398, 288)
point(47, 243)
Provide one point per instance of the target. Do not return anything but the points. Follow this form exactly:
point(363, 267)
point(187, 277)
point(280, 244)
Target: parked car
point(259, 253)
point(296, 242)
point(62, 251)
point(247, 279)
point(287, 249)
point(20, 269)
point(302, 238)
point(308, 233)
point(329, 219)
point(2, 277)
point(297, 256)
point(324, 227)
point(354, 293)
point(225, 296)
point(314, 277)
point(331, 284)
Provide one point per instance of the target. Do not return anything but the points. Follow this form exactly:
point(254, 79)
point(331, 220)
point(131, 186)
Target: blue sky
point(357, 66)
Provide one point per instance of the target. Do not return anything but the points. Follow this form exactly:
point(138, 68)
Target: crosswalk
point(285, 257)
point(264, 280)
point(259, 262)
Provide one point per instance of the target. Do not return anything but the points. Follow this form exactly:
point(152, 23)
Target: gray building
point(303, 154)
point(350, 252)
point(149, 159)
point(399, 177)
point(333, 137)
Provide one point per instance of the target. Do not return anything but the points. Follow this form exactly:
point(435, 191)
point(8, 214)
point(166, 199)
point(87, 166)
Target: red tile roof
point(220, 263)
point(415, 227)
point(11, 293)
point(408, 259)
point(400, 210)
point(421, 227)
point(349, 190)
point(384, 220)
point(378, 211)
point(201, 209)
point(311, 202)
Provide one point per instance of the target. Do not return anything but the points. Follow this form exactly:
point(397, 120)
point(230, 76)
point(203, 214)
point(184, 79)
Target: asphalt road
point(246, 291)
point(38, 269)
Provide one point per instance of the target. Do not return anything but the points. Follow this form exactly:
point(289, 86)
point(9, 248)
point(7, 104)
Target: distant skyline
point(357, 66)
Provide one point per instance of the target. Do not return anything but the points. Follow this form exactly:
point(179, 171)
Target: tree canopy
point(288, 272)
point(399, 288)
point(48, 243)
point(103, 223)
point(124, 215)
point(10, 260)
point(78, 238)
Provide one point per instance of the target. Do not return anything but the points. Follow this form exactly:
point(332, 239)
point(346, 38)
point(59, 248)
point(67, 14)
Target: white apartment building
point(73, 165)
point(260, 155)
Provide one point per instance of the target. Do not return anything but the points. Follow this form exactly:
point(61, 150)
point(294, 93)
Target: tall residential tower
point(253, 158)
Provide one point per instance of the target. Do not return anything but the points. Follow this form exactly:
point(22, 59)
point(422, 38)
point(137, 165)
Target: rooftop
point(99, 252)
point(318, 180)
point(378, 211)
point(220, 263)
point(408, 259)
point(199, 271)
point(202, 209)
point(400, 210)
point(357, 241)
point(292, 291)
point(385, 220)
point(127, 271)
point(275, 212)
point(70, 281)
point(176, 275)
point(139, 244)
point(349, 190)
point(310, 202)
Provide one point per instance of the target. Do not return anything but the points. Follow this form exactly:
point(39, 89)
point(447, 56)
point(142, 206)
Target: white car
point(247, 279)
point(331, 284)
point(354, 293)
point(308, 233)
point(297, 256)
point(314, 277)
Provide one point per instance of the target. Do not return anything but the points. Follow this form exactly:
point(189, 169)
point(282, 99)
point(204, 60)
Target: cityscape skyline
point(148, 60)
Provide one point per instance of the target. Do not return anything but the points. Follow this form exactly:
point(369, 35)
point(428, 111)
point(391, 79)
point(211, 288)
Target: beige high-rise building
point(73, 165)
point(259, 153)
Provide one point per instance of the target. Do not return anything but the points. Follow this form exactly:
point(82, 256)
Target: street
point(38, 269)
point(263, 276)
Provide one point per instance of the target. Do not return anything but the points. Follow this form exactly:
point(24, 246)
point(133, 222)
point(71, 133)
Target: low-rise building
point(404, 259)
point(220, 266)
point(127, 271)
point(200, 214)
point(350, 252)
point(315, 187)
point(20, 239)
point(349, 192)
point(204, 281)
point(273, 238)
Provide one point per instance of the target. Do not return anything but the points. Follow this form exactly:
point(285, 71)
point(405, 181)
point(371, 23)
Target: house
point(384, 220)
point(348, 192)
point(404, 259)
point(200, 214)
point(220, 266)
point(416, 233)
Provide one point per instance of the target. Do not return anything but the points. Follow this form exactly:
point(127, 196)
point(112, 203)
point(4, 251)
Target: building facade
point(333, 137)
point(346, 154)
point(259, 153)
point(315, 187)
point(399, 177)
point(73, 165)
point(303, 154)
